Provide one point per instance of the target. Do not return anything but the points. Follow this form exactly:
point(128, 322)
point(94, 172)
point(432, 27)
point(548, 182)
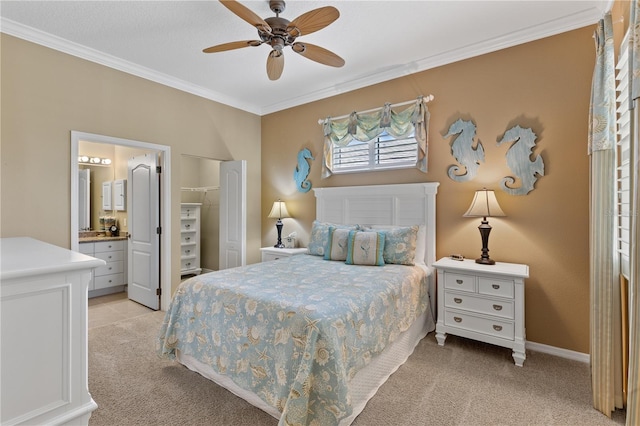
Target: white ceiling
point(379, 40)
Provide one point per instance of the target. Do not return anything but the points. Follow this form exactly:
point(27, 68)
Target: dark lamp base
point(485, 261)
point(280, 245)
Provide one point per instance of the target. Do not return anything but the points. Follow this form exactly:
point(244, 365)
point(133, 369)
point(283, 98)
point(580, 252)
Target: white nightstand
point(482, 302)
point(272, 253)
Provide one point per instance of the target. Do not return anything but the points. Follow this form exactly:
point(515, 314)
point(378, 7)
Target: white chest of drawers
point(44, 334)
point(482, 302)
point(190, 238)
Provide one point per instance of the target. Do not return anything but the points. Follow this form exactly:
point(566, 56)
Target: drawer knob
point(497, 327)
point(497, 307)
point(187, 226)
point(459, 281)
point(188, 238)
point(495, 286)
point(187, 251)
point(458, 319)
point(457, 300)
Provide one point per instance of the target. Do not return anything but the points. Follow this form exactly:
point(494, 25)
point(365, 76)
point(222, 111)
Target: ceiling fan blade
point(232, 45)
point(245, 13)
point(275, 64)
point(318, 54)
point(312, 21)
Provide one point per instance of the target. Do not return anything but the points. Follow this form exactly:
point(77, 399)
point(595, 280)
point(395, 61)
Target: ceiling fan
point(279, 32)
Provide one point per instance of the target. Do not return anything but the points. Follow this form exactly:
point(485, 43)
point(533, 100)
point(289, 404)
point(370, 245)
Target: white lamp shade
point(278, 211)
point(484, 204)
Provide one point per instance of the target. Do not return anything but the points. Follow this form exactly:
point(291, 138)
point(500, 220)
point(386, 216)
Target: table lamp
point(279, 211)
point(484, 205)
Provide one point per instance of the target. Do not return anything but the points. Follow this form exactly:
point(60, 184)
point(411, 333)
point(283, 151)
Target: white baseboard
point(562, 353)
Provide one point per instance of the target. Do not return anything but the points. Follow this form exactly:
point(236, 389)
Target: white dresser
point(111, 277)
point(44, 333)
point(482, 302)
point(190, 238)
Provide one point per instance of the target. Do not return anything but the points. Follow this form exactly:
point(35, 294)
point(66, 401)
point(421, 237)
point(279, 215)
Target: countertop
point(95, 237)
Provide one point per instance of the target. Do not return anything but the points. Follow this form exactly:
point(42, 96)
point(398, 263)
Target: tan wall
point(544, 85)
point(47, 94)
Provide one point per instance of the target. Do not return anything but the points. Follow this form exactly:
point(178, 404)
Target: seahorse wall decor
point(462, 149)
point(302, 170)
point(519, 161)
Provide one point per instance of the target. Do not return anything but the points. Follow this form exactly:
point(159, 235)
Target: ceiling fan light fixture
point(280, 32)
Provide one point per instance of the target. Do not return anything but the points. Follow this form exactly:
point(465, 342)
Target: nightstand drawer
point(266, 257)
point(460, 282)
point(495, 287)
point(492, 307)
point(492, 327)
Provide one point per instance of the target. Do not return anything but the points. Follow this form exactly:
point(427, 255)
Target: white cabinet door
point(120, 194)
point(107, 203)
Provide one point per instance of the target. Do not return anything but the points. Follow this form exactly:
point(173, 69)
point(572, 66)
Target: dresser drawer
point(490, 326)
point(188, 212)
point(188, 250)
point(188, 224)
point(187, 264)
point(111, 280)
point(459, 282)
point(109, 246)
point(110, 268)
point(495, 287)
point(111, 256)
point(499, 308)
point(188, 238)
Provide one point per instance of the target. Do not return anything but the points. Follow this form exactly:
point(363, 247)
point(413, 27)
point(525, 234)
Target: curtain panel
point(605, 347)
point(364, 127)
point(633, 385)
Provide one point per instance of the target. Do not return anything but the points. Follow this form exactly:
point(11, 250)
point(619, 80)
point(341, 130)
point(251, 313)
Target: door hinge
point(158, 169)
point(158, 291)
point(159, 230)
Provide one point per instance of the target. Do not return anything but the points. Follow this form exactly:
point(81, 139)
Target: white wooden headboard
point(398, 205)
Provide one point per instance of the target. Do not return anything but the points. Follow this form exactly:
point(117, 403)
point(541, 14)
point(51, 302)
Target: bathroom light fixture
point(279, 211)
point(84, 159)
point(484, 205)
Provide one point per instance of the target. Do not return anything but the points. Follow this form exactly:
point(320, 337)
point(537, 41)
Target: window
point(381, 153)
point(623, 176)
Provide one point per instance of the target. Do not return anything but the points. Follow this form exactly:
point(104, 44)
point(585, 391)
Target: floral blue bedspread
point(295, 330)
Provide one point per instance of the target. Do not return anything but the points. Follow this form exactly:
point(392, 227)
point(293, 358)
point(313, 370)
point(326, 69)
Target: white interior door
point(143, 214)
point(233, 214)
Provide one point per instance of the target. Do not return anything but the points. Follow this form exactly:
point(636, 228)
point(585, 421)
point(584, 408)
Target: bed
point(310, 338)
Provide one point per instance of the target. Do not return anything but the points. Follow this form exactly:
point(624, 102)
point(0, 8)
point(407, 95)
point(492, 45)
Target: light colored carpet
point(463, 383)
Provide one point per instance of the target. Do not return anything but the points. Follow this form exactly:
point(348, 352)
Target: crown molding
point(589, 16)
point(42, 38)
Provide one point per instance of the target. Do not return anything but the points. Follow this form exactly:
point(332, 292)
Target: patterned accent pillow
point(336, 248)
point(320, 236)
point(365, 248)
point(400, 245)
